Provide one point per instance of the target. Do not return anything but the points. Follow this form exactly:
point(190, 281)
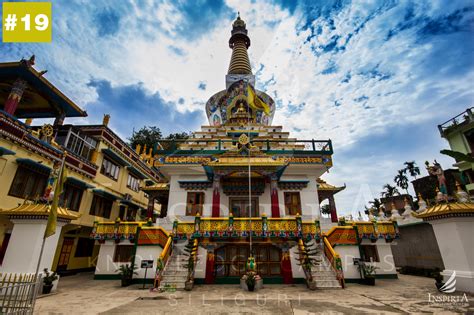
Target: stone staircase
point(324, 275)
point(175, 274)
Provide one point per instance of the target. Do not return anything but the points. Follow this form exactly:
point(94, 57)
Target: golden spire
point(239, 42)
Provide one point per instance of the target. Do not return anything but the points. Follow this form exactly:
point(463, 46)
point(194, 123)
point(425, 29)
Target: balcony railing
point(459, 120)
point(212, 146)
point(260, 227)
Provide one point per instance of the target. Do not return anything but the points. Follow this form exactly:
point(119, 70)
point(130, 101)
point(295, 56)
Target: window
point(28, 183)
point(110, 169)
point(123, 253)
point(85, 247)
point(292, 203)
point(76, 142)
point(369, 253)
point(194, 203)
point(101, 207)
point(71, 197)
point(240, 207)
point(133, 183)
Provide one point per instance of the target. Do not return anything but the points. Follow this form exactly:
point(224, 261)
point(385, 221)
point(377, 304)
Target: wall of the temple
point(200, 270)
point(308, 195)
point(386, 264)
point(146, 253)
point(347, 254)
point(417, 248)
point(296, 270)
point(454, 236)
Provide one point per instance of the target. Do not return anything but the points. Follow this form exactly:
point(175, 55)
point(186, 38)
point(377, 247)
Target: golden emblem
point(47, 130)
point(243, 139)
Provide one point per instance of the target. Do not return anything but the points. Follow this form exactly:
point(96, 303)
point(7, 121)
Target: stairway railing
point(307, 273)
point(335, 260)
point(163, 260)
point(194, 256)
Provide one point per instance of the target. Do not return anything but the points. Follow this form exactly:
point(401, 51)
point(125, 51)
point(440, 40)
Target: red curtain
point(286, 269)
point(210, 269)
point(216, 203)
point(275, 205)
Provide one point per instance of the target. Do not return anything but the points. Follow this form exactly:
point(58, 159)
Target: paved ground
point(81, 295)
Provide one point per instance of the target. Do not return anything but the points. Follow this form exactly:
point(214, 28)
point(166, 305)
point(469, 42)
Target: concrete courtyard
point(80, 294)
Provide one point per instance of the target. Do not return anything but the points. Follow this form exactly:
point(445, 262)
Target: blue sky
point(374, 76)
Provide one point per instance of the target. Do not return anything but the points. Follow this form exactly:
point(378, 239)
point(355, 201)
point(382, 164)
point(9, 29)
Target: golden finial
point(105, 120)
point(28, 121)
point(138, 148)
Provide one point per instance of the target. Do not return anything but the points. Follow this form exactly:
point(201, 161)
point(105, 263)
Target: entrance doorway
point(240, 207)
point(230, 260)
point(66, 250)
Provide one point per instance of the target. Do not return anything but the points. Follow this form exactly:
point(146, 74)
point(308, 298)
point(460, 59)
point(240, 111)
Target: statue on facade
point(437, 171)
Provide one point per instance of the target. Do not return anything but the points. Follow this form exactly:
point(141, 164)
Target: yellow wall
point(8, 167)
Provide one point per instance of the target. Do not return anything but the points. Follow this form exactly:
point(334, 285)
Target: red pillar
point(210, 268)
point(216, 198)
point(332, 206)
point(274, 199)
point(286, 268)
point(15, 96)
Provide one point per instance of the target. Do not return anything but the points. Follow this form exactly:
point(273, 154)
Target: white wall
point(146, 253)
point(200, 270)
point(386, 264)
point(347, 254)
point(296, 270)
point(105, 260)
point(24, 247)
point(455, 240)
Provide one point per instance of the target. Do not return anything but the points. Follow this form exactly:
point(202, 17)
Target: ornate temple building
point(242, 187)
point(104, 175)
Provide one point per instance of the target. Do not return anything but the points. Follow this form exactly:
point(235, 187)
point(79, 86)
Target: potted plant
point(48, 279)
point(250, 280)
point(308, 257)
point(438, 278)
point(126, 273)
point(368, 272)
point(190, 250)
point(159, 269)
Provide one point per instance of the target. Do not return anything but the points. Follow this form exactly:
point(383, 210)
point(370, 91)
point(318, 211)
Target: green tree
point(458, 156)
point(389, 191)
point(147, 135)
point(412, 169)
point(402, 180)
point(326, 209)
point(375, 203)
point(151, 135)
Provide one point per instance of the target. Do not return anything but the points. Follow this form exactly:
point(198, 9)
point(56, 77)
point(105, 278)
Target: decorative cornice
point(195, 185)
point(293, 184)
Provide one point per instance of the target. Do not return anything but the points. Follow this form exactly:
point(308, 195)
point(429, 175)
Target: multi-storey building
point(241, 188)
point(104, 174)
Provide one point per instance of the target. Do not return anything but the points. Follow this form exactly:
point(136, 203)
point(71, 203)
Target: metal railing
point(460, 119)
point(18, 293)
point(197, 145)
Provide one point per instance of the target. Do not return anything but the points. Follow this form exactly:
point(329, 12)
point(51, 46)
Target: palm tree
point(390, 191)
point(412, 168)
point(401, 180)
point(375, 203)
